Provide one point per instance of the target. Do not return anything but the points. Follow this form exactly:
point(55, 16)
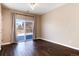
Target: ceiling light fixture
point(33, 5)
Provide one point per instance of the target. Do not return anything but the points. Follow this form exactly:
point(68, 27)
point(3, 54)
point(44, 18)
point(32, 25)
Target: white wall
point(62, 25)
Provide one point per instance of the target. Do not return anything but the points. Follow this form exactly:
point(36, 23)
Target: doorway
point(24, 30)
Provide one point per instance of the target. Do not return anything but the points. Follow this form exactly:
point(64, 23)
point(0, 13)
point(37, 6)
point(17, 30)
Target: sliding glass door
point(24, 30)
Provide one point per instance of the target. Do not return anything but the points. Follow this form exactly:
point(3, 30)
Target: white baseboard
point(62, 44)
point(38, 38)
point(6, 43)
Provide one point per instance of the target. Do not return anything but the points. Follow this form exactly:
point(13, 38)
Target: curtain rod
point(24, 15)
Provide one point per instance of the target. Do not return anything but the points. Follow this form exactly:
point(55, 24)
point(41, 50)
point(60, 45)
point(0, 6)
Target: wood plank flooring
point(37, 48)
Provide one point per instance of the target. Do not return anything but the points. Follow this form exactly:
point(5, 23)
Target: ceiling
point(40, 9)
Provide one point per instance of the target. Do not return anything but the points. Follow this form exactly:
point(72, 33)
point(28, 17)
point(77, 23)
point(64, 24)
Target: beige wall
point(62, 25)
point(6, 20)
point(0, 27)
point(0, 20)
point(38, 26)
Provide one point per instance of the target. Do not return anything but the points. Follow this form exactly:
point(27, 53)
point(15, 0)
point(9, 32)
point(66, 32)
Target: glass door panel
point(20, 30)
point(29, 30)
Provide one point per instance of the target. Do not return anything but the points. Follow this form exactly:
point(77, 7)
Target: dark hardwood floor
point(37, 48)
